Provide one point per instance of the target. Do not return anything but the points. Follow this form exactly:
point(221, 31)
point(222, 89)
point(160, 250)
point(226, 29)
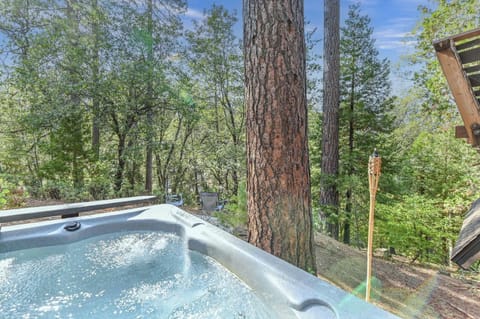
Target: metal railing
point(68, 210)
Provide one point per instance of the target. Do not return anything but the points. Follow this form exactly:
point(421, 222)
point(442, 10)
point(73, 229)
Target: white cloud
point(396, 35)
point(413, 3)
point(194, 14)
point(386, 44)
point(391, 39)
point(364, 3)
point(390, 34)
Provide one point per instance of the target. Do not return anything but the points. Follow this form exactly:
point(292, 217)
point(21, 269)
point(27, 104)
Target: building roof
point(467, 247)
point(459, 57)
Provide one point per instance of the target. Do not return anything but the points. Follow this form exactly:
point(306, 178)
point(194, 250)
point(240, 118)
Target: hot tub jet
point(72, 226)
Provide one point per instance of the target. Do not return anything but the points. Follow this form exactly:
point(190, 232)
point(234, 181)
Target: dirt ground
point(406, 290)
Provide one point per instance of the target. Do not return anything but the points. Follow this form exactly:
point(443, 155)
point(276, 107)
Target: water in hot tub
point(123, 275)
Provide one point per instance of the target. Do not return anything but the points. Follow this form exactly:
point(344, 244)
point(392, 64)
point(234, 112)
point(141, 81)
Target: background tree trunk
point(149, 106)
point(331, 103)
point(96, 121)
point(278, 176)
point(351, 170)
point(73, 120)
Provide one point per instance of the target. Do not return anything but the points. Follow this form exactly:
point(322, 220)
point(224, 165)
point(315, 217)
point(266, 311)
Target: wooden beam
point(461, 132)
point(466, 35)
point(442, 44)
point(461, 90)
point(445, 43)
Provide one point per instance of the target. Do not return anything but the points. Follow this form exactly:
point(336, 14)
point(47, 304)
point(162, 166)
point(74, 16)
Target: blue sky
point(392, 21)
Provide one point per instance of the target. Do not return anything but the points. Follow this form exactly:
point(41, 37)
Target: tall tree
point(365, 104)
point(20, 21)
point(329, 199)
point(278, 176)
point(50, 74)
point(95, 17)
point(217, 65)
point(149, 100)
point(142, 47)
point(74, 76)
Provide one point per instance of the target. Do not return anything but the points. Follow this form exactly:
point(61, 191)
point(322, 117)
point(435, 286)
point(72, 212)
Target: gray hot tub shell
point(289, 291)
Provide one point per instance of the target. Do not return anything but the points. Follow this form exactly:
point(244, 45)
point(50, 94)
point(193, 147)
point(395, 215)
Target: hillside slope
point(406, 290)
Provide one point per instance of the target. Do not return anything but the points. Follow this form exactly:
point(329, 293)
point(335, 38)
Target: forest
point(103, 98)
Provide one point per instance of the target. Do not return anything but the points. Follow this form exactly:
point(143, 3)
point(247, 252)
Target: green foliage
point(365, 122)
point(147, 83)
point(417, 228)
point(4, 192)
point(438, 183)
point(98, 181)
point(313, 63)
point(113, 67)
point(445, 19)
point(12, 195)
point(436, 164)
point(428, 179)
point(436, 180)
point(216, 64)
point(235, 212)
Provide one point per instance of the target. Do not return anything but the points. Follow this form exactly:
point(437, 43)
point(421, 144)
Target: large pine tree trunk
point(331, 102)
point(278, 183)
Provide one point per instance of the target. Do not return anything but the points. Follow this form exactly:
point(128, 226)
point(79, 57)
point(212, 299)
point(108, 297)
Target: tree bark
point(149, 148)
point(74, 119)
point(329, 199)
point(121, 163)
point(351, 171)
point(95, 79)
point(278, 176)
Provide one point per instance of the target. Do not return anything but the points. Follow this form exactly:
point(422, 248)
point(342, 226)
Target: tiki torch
point(374, 164)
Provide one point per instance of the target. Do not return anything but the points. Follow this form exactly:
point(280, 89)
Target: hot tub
point(278, 289)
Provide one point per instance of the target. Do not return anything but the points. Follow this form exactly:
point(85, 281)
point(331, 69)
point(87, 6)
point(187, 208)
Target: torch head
point(374, 164)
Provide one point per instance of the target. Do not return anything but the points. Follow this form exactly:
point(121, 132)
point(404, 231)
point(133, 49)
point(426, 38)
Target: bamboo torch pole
point(374, 164)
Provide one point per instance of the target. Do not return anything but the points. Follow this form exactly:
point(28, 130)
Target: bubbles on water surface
point(125, 275)
point(128, 250)
point(5, 266)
